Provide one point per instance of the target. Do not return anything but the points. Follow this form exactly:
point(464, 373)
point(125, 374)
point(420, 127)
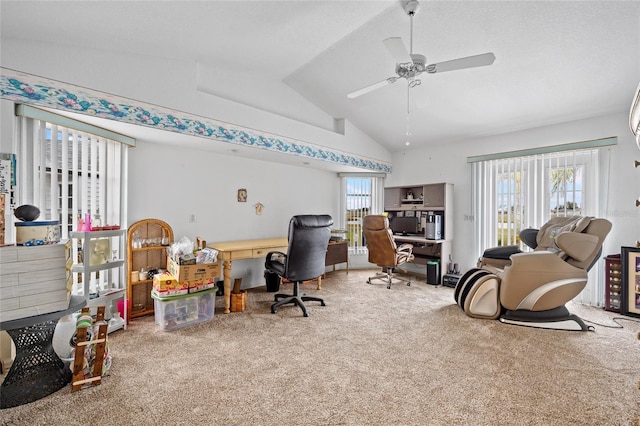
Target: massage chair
point(531, 287)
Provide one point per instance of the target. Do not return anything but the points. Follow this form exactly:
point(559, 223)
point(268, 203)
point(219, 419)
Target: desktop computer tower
point(433, 228)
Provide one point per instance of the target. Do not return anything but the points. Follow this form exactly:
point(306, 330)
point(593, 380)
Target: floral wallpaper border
point(26, 88)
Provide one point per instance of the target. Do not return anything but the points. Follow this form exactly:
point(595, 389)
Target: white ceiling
point(555, 60)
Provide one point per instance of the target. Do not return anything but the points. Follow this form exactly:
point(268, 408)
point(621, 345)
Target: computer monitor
point(404, 225)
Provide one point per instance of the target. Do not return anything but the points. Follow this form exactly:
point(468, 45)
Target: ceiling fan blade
point(398, 50)
point(371, 87)
point(461, 63)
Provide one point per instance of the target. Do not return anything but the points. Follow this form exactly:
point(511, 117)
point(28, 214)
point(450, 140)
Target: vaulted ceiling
point(555, 61)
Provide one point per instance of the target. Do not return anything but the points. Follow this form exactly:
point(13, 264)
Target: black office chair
point(308, 239)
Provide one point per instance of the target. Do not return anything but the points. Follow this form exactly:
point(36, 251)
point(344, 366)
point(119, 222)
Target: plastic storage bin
point(176, 312)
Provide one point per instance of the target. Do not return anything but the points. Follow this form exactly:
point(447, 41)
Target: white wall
point(171, 184)
point(447, 163)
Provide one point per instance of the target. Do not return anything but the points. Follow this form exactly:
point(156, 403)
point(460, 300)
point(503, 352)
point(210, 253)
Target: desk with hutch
point(421, 201)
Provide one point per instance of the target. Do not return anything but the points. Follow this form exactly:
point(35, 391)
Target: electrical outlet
point(192, 218)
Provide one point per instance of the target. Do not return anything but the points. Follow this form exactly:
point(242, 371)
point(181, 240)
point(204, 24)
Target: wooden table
point(229, 251)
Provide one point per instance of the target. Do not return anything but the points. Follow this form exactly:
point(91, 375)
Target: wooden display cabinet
point(613, 283)
point(147, 243)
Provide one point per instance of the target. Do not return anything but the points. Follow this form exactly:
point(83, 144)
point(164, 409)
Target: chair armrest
point(576, 245)
point(279, 253)
point(406, 247)
point(275, 257)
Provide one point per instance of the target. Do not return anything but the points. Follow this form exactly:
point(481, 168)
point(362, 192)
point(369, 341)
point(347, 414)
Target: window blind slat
point(41, 176)
point(75, 202)
point(64, 179)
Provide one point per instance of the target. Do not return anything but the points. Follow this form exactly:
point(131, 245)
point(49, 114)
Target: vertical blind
point(362, 194)
point(68, 173)
point(518, 192)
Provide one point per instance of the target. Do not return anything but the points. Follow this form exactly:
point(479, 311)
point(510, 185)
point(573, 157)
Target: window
point(517, 193)
point(362, 194)
point(67, 172)
point(512, 192)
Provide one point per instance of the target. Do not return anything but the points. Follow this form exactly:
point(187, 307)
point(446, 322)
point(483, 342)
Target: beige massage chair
point(531, 288)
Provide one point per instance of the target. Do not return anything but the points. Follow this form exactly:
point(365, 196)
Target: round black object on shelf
point(27, 213)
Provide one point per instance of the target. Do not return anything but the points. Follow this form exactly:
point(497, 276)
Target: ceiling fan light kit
point(410, 65)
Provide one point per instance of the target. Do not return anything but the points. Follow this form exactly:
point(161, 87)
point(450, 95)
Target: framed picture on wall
point(630, 262)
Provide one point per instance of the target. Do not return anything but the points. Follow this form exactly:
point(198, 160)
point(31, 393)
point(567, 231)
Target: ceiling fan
point(409, 65)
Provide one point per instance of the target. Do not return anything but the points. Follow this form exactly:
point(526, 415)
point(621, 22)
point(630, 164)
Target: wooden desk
point(229, 251)
point(425, 250)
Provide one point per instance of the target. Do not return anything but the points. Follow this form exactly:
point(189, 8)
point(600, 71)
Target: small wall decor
point(242, 195)
point(259, 207)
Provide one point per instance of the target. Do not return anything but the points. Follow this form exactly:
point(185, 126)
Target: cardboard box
point(34, 280)
point(166, 285)
point(173, 313)
point(197, 277)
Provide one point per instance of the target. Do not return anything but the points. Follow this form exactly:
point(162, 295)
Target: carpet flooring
point(373, 356)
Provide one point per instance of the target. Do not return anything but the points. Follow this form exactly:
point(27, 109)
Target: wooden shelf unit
point(151, 255)
point(613, 283)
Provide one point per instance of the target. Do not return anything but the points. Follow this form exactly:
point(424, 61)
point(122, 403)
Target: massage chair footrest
point(478, 292)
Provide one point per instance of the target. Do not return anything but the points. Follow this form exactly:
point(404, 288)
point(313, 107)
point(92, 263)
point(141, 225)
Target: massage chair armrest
point(577, 245)
point(502, 252)
point(496, 258)
point(530, 272)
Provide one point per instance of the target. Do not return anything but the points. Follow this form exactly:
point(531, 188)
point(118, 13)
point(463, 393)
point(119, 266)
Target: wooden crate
point(239, 301)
